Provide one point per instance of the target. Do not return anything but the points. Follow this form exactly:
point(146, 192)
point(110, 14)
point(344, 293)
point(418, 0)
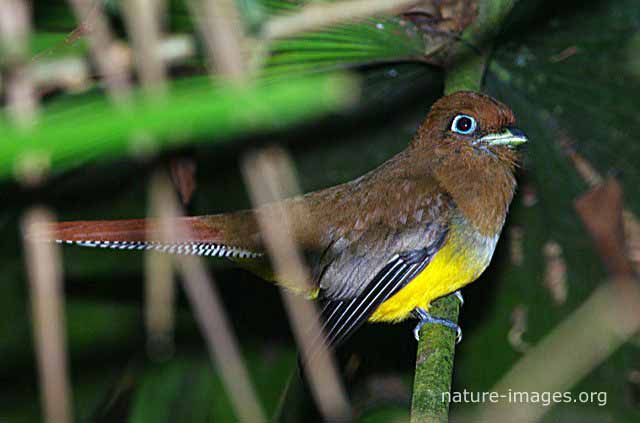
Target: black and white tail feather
point(186, 248)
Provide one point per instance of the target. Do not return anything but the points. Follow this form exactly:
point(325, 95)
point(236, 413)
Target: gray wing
point(366, 282)
point(348, 267)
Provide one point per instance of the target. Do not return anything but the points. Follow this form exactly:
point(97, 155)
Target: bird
point(382, 247)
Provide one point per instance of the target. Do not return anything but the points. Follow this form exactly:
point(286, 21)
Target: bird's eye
point(463, 124)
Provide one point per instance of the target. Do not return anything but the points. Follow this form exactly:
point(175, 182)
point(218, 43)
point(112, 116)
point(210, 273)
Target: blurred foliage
point(570, 71)
point(69, 133)
point(375, 40)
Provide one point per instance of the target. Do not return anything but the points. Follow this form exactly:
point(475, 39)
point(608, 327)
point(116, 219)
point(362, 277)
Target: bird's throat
point(481, 191)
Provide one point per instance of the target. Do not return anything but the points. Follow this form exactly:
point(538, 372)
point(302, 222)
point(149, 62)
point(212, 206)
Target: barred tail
point(228, 236)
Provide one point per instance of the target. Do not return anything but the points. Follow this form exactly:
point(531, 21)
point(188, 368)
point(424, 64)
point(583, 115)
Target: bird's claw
point(425, 317)
point(458, 334)
point(458, 295)
point(416, 330)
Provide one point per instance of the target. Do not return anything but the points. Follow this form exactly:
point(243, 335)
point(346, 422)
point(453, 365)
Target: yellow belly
point(455, 265)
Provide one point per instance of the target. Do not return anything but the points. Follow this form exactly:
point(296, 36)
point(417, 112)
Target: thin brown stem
point(270, 178)
point(47, 304)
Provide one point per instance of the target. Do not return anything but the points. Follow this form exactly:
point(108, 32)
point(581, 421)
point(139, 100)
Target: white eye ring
point(464, 121)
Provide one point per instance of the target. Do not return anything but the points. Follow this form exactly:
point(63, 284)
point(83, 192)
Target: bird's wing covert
point(342, 317)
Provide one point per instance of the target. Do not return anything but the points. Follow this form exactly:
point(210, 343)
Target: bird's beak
point(511, 137)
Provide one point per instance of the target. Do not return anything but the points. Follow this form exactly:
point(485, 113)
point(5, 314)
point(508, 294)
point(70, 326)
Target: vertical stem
point(110, 64)
point(47, 302)
point(218, 334)
point(208, 309)
point(223, 35)
point(466, 75)
point(144, 25)
point(434, 363)
point(271, 178)
point(15, 26)
point(159, 284)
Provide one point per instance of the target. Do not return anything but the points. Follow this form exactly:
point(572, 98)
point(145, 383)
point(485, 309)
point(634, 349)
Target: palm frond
point(374, 40)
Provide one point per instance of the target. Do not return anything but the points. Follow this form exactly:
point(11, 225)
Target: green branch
point(434, 363)
point(467, 69)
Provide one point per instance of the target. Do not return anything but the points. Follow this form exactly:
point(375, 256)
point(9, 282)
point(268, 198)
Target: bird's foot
point(458, 295)
point(425, 317)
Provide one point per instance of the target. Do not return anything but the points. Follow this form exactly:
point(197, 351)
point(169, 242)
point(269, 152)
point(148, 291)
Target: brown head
point(469, 141)
point(470, 123)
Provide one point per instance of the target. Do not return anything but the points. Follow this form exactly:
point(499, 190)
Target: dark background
point(590, 97)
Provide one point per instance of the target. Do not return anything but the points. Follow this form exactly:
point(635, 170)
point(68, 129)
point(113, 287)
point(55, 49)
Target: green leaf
point(73, 132)
point(374, 40)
